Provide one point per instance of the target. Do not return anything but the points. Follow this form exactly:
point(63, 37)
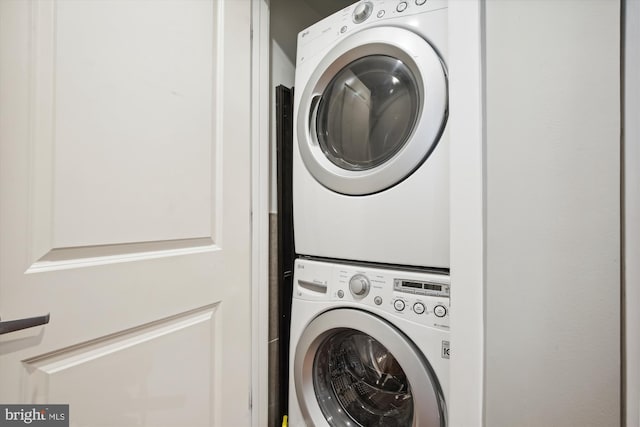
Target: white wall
point(552, 349)
point(632, 210)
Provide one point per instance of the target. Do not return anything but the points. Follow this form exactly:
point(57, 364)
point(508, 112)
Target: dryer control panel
point(360, 15)
point(416, 296)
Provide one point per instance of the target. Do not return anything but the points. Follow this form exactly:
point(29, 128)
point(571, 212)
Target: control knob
point(359, 285)
point(362, 12)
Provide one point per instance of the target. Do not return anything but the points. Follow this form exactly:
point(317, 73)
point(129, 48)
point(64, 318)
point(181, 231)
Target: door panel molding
point(65, 258)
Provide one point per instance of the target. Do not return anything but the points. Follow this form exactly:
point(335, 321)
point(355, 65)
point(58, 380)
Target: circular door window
point(372, 111)
point(352, 368)
point(367, 112)
point(357, 380)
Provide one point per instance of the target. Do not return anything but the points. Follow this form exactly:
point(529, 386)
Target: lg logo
point(445, 350)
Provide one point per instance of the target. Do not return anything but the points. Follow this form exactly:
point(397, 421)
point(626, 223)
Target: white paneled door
point(125, 209)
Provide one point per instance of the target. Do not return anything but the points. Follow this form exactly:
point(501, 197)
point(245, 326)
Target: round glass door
point(367, 112)
point(357, 381)
point(372, 111)
point(354, 369)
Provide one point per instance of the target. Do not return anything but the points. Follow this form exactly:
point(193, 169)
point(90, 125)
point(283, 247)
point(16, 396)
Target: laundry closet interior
point(360, 187)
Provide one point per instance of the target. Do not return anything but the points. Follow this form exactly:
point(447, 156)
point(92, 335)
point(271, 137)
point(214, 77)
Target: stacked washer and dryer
point(370, 309)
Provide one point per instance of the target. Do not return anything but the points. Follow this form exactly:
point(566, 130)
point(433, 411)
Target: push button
point(402, 6)
point(418, 308)
point(398, 305)
point(440, 310)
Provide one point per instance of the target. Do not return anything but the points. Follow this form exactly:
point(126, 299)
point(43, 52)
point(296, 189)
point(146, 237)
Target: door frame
point(260, 147)
point(467, 211)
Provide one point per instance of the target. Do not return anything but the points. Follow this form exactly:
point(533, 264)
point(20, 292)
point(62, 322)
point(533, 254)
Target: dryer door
point(372, 111)
point(352, 368)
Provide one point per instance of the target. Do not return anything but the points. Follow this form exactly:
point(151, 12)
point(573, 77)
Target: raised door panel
point(156, 375)
point(123, 126)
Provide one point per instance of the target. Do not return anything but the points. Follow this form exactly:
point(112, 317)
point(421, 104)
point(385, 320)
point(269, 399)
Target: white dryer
point(370, 165)
point(369, 347)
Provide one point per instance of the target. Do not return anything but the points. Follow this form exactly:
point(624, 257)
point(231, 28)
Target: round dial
point(362, 12)
point(359, 285)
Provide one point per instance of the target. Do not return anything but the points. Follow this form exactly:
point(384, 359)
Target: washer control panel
point(417, 296)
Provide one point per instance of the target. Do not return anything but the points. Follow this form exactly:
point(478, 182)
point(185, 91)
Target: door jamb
point(259, 212)
point(630, 196)
point(467, 211)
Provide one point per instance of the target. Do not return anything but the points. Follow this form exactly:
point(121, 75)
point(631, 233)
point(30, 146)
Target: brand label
point(34, 415)
point(445, 349)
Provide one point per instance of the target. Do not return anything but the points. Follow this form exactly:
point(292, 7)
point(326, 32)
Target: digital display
point(421, 288)
point(415, 285)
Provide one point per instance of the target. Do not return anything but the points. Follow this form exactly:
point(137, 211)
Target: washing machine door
point(372, 111)
point(353, 368)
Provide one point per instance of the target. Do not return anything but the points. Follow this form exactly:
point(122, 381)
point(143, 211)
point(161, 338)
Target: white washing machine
point(370, 165)
point(369, 347)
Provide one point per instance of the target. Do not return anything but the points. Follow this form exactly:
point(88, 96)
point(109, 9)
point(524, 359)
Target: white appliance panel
point(406, 223)
point(407, 314)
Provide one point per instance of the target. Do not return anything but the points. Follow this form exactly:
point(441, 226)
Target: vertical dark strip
point(286, 251)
